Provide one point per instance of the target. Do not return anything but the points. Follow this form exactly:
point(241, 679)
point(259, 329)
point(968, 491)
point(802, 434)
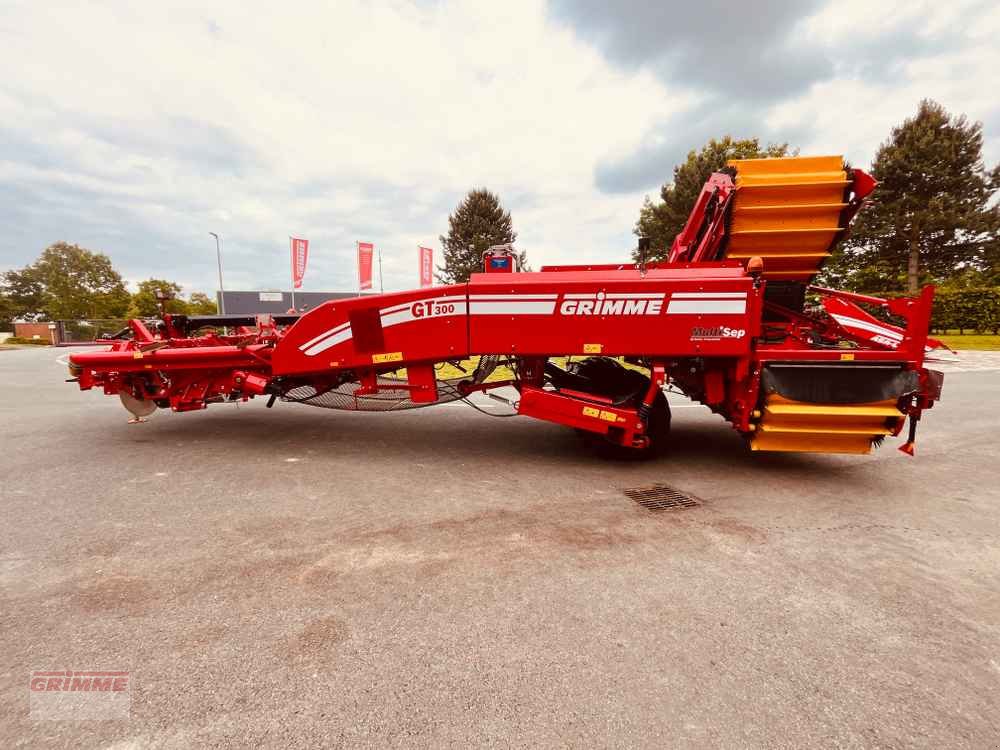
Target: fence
point(84, 331)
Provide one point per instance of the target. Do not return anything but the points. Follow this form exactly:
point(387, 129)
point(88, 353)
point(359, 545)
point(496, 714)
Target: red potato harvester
point(725, 321)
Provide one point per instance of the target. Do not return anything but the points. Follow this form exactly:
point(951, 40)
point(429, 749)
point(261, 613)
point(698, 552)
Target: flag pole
point(357, 253)
point(381, 284)
point(291, 245)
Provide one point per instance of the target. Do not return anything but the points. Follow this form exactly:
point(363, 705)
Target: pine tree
point(930, 217)
point(661, 222)
point(477, 223)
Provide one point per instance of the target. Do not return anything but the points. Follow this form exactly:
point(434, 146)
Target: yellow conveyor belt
point(787, 425)
point(787, 212)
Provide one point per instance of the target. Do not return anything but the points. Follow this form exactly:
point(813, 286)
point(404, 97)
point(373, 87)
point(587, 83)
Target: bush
point(967, 309)
point(963, 310)
point(23, 340)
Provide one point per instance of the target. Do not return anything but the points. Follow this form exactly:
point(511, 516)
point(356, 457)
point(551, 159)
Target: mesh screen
point(342, 396)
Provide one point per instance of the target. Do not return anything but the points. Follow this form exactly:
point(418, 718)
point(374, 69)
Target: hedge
point(964, 310)
point(972, 310)
point(23, 340)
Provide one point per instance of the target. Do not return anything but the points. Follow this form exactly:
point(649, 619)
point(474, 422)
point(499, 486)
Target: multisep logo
point(717, 332)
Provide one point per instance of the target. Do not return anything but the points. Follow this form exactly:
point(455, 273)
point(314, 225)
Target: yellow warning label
point(136, 355)
point(335, 363)
point(593, 348)
point(847, 356)
point(387, 357)
point(607, 416)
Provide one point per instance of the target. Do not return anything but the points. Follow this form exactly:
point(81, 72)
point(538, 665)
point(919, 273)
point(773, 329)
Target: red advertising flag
point(365, 252)
point(300, 253)
point(426, 266)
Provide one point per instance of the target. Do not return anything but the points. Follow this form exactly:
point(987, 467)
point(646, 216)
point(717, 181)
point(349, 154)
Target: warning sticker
point(607, 416)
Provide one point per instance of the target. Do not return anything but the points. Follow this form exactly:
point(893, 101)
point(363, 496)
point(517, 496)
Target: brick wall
point(30, 330)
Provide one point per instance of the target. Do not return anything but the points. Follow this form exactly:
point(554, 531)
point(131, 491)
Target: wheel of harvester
point(658, 428)
point(609, 378)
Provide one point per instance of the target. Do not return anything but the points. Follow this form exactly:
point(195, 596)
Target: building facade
point(257, 302)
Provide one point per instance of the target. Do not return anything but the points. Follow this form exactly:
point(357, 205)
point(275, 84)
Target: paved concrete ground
point(300, 577)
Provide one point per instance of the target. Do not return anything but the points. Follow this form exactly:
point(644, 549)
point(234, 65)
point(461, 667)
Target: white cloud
point(138, 128)
point(855, 111)
point(359, 123)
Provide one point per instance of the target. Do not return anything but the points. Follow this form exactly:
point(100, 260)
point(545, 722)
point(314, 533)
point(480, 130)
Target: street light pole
point(218, 256)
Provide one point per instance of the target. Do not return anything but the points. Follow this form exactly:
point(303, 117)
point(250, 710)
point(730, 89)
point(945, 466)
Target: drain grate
point(660, 497)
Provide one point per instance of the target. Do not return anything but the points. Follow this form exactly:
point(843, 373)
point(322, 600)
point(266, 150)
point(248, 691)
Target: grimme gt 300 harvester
point(725, 321)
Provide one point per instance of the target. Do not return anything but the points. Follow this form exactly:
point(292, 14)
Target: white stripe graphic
point(708, 295)
point(409, 305)
point(614, 295)
point(323, 335)
point(849, 322)
point(338, 338)
point(391, 316)
point(512, 307)
point(500, 296)
point(386, 310)
point(637, 295)
point(405, 315)
point(708, 307)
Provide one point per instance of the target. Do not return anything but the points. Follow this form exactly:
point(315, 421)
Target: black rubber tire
point(611, 379)
point(658, 433)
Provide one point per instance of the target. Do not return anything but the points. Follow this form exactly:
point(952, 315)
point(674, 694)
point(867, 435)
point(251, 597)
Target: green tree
point(478, 222)
point(931, 216)
point(145, 305)
point(200, 303)
point(67, 282)
point(662, 221)
point(6, 313)
point(24, 294)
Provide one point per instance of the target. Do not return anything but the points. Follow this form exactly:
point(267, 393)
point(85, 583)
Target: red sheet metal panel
point(684, 312)
point(383, 331)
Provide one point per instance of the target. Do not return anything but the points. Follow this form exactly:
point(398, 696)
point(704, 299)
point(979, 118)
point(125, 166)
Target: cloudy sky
point(137, 128)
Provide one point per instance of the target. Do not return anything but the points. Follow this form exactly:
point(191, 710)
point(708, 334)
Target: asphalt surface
point(302, 577)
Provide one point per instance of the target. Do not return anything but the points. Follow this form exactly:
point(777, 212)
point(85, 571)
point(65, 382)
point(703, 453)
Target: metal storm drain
point(660, 497)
